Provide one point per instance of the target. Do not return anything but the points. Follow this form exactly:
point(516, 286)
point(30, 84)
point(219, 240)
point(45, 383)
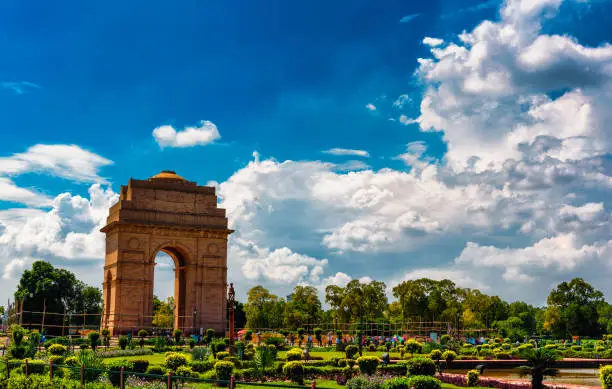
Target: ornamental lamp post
point(231, 299)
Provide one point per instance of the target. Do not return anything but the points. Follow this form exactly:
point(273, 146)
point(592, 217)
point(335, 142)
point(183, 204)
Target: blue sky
point(464, 161)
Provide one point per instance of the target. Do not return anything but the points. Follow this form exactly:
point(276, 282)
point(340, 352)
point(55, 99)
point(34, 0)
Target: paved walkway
point(549, 384)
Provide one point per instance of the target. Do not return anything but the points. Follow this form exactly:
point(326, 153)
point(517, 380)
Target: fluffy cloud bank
point(167, 136)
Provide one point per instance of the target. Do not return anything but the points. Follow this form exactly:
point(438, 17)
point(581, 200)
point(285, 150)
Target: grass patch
point(154, 359)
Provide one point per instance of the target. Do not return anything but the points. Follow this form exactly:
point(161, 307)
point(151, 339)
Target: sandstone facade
point(170, 214)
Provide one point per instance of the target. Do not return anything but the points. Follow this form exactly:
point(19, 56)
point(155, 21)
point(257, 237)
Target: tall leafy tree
point(45, 287)
point(304, 307)
point(573, 309)
point(262, 308)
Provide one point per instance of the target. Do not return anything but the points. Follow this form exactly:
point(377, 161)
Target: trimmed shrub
point(394, 369)
point(398, 383)
point(367, 365)
point(425, 382)
point(472, 377)
point(202, 366)
point(350, 351)
point(502, 355)
point(57, 349)
point(123, 342)
point(140, 365)
point(294, 371)
point(114, 370)
point(435, 355)
point(174, 360)
point(222, 355)
point(156, 370)
point(72, 361)
point(605, 375)
point(576, 348)
point(35, 366)
point(57, 359)
point(185, 371)
point(94, 340)
point(294, 355)
point(412, 346)
point(223, 370)
point(421, 366)
point(449, 356)
point(177, 335)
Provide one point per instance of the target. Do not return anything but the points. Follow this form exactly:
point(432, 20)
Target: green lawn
point(338, 354)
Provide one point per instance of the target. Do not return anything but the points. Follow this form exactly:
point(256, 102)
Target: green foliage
point(185, 371)
point(293, 355)
point(156, 370)
point(140, 365)
point(294, 371)
point(605, 375)
point(398, 383)
point(444, 339)
point(421, 366)
point(368, 365)
point(35, 366)
point(540, 362)
point(449, 356)
point(222, 355)
point(192, 343)
point(177, 335)
point(93, 364)
point(94, 339)
point(72, 361)
point(425, 382)
point(412, 346)
point(199, 354)
point(114, 370)
point(276, 341)
point(217, 347)
point(174, 360)
point(57, 359)
point(350, 351)
point(202, 366)
point(223, 370)
point(264, 358)
point(123, 342)
point(143, 334)
point(472, 377)
point(436, 355)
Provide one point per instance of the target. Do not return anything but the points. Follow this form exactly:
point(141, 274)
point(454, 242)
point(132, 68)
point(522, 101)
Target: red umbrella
point(242, 332)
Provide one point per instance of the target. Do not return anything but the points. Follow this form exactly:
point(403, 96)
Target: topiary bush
point(94, 340)
point(177, 336)
point(185, 371)
point(57, 349)
point(605, 375)
point(367, 365)
point(156, 370)
point(202, 366)
point(412, 346)
point(57, 359)
point(35, 366)
point(350, 351)
point(425, 382)
point(294, 371)
point(363, 383)
point(123, 342)
point(140, 365)
point(472, 377)
point(435, 355)
point(114, 370)
point(223, 370)
point(449, 356)
point(293, 355)
point(222, 355)
point(174, 360)
point(421, 366)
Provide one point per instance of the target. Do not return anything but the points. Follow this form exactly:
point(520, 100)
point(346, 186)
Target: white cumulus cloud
point(205, 133)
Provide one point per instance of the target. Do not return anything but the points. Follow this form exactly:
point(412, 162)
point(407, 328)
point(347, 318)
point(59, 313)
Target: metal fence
point(123, 377)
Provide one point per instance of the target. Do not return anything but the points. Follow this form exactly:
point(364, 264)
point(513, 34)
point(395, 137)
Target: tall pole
point(231, 300)
point(42, 323)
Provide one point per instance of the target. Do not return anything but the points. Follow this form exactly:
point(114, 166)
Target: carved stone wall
point(165, 213)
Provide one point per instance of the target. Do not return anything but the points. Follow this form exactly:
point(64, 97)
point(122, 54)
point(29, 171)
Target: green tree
point(59, 291)
point(261, 307)
point(304, 307)
point(163, 312)
point(540, 362)
point(573, 309)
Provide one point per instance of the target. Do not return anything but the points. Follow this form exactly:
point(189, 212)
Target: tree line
point(573, 308)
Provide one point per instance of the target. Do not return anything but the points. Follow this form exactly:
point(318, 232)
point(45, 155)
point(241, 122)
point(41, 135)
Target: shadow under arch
point(180, 257)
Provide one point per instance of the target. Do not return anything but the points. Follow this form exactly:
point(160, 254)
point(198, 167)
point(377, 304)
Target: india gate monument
point(170, 214)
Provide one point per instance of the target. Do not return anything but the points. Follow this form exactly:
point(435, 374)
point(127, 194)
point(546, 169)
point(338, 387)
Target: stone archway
point(170, 214)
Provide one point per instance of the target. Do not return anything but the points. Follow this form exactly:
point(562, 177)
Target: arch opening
point(168, 289)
